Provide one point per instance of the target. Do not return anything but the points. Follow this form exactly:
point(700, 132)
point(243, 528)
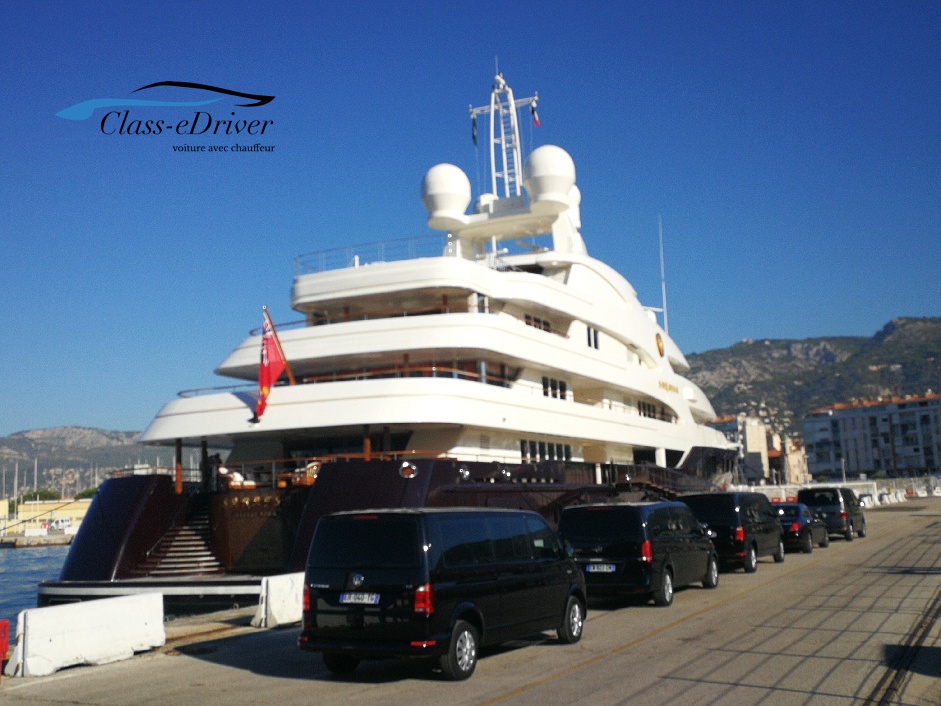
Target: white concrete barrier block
point(91, 632)
point(280, 601)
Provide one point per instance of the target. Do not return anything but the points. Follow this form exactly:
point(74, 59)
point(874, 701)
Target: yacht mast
point(504, 136)
point(663, 279)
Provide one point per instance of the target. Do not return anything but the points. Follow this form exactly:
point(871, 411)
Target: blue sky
point(792, 148)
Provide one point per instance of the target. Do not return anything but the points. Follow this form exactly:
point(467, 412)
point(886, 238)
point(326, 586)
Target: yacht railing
point(368, 253)
point(434, 245)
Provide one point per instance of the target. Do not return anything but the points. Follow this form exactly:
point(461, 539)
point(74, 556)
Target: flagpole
point(277, 341)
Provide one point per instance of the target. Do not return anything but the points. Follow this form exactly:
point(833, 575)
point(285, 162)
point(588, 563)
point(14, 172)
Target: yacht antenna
point(663, 279)
point(505, 136)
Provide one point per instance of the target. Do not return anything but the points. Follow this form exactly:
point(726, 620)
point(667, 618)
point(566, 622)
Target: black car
point(802, 527)
point(435, 582)
point(745, 524)
point(640, 548)
point(839, 508)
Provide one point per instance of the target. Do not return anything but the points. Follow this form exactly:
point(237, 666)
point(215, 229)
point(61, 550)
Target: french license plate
point(600, 568)
point(360, 598)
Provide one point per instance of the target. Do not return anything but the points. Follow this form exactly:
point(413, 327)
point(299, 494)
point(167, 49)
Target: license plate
point(360, 598)
point(600, 568)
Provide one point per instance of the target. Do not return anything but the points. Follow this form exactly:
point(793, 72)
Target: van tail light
point(843, 515)
point(739, 534)
point(306, 599)
point(646, 552)
point(424, 600)
point(796, 527)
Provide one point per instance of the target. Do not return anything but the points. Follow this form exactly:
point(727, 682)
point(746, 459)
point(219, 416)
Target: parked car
point(839, 508)
point(745, 524)
point(435, 582)
point(640, 548)
point(802, 527)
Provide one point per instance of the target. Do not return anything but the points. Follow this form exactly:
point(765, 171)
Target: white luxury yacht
point(499, 340)
point(494, 364)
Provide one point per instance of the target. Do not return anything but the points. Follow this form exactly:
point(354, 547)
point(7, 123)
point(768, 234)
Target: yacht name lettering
point(669, 387)
point(120, 122)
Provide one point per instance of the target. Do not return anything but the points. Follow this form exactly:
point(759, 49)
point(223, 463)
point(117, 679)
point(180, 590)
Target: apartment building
point(894, 436)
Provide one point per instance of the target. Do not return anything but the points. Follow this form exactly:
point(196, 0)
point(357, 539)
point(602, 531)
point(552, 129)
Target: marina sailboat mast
point(505, 136)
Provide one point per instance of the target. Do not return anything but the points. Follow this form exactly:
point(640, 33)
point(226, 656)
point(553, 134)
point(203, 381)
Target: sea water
point(21, 570)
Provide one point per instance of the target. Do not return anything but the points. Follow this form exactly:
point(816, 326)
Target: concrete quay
point(856, 623)
point(19, 541)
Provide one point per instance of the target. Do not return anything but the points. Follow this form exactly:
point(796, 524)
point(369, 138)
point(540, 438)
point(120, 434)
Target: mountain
point(68, 459)
point(781, 381)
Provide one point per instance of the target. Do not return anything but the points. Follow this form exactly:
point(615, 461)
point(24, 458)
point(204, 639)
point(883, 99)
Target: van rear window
point(375, 541)
point(819, 497)
point(712, 509)
point(595, 524)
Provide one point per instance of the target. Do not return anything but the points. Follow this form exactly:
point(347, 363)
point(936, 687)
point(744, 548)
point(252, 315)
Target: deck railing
point(433, 245)
point(368, 253)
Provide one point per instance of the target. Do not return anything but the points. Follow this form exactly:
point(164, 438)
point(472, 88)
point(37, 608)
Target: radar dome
point(446, 194)
point(548, 175)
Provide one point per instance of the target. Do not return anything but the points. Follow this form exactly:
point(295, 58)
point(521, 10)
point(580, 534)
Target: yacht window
point(552, 387)
point(532, 451)
point(535, 321)
point(592, 337)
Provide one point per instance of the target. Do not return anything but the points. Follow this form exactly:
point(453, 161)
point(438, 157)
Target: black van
point(839, 508)
point(435, 582)
point(640, 548)
point(745, 524)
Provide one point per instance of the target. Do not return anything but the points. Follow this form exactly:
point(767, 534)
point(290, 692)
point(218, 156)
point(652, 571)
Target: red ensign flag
point(272, 365)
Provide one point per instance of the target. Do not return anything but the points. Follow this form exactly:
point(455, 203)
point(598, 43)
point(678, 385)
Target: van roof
point(432, 511)
point(643, 504)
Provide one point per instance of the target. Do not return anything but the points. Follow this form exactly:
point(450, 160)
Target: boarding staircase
point(183, 551)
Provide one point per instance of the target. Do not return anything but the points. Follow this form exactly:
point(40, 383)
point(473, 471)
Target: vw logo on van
point(357, 580)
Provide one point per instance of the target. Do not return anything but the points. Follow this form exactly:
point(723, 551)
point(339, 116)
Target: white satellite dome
point(549, 175)
point(446, 194)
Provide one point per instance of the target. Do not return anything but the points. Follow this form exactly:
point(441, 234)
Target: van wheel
point(750, 562)
point(849, 533)
point(663, 594)
point(862, 532)
point(573, 622)
point(778, 556)
point(460, 661)
point(339, 664)
point(711, 579)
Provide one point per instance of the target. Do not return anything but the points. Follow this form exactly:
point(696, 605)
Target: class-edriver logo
point(123, 121)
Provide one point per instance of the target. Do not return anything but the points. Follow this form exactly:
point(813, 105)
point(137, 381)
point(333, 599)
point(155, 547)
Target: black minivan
point(839, 508)
point(435, 583)
point(745, 524)
point(640, 548)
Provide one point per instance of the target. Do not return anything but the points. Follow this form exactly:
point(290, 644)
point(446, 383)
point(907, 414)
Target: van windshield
point(601, 524)
point(368, 540)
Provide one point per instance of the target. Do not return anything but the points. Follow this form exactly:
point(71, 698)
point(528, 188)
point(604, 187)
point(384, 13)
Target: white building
point(891, 435)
